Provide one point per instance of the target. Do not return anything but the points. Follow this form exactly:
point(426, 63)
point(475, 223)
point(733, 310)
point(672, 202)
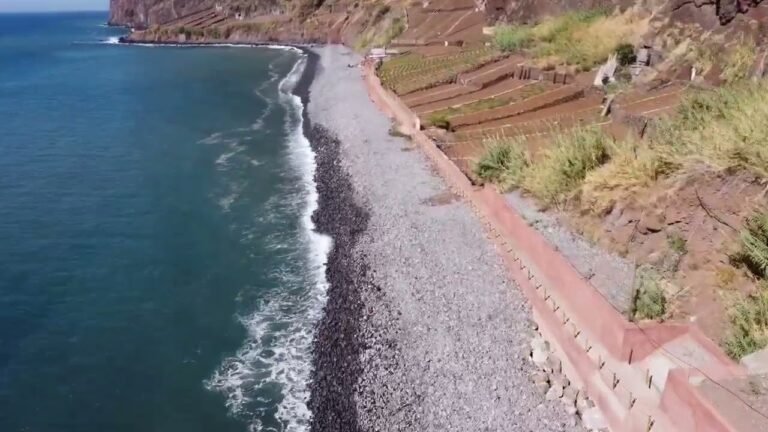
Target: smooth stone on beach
point(539, 357)
point(593, 419)
point(555, 392)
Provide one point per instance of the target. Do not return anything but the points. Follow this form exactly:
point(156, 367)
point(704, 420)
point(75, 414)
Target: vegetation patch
point(382, 33)
point(633, 167)
point(754, 245)
point(513, 38)
point(583, 39)
point(410, 72)
point(748, 319)
point(554, 174)
point(739, 60)
point(481, 105)
point(565, 164)
point(725, 128)
point(492, 102)
point(439, 120)
point(677, 243)
point(504, 163)
point(649, 301)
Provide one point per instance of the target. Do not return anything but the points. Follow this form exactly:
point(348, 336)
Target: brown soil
point(446, 91)
point(492, 73)
point(505, 89)
point(553, 97)
point(706, 208)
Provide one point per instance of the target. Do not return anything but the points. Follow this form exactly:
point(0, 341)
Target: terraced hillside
point(441, 23)
point(521, 109)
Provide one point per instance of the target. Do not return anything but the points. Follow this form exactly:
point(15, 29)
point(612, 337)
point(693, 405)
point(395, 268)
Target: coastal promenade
point(659, 377)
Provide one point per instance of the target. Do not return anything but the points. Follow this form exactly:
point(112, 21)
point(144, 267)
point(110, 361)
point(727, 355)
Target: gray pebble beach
point(435, 337)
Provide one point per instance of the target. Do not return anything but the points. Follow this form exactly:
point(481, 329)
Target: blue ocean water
point(158, 268)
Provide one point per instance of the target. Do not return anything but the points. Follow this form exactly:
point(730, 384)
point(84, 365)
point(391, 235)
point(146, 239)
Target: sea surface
point(158, 265)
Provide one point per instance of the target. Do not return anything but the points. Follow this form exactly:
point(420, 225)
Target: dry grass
point(563, 166)
point(581, 39)
point(725, 277)
point(739, 60)
point(555, 173)
point(633, 167)
point(725, 128)
point(748, 324)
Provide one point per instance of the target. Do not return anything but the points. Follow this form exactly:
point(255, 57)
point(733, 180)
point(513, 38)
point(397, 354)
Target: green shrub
point(754, 245)
point(512, 38)
point(440, 120)
point(625, 54)
point(649, 301)
point(677, 243)
point(566, 163)
point(748, 319)
point(504, 163)
point(739, 60)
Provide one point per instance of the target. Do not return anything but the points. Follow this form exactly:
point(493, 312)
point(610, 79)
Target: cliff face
point(144, 13)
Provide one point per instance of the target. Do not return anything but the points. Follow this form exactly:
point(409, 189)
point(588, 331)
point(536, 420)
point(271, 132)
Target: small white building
point(377, 53)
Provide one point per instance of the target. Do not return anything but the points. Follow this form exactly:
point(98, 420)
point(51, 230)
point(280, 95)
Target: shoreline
point(335, 345)
point(125, 40)
point(422, 329)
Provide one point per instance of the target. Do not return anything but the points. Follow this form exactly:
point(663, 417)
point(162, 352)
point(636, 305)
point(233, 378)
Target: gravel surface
point(426, 324)
point(609, 273)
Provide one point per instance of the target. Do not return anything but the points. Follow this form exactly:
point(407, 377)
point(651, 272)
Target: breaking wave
point(266, 381)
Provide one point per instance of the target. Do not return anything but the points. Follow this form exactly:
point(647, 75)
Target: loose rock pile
point(551, 382)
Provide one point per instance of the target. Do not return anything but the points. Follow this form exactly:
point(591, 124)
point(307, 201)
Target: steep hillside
point(531, 10)
point(143, 13)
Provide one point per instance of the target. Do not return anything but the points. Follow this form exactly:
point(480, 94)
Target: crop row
point(414, 75)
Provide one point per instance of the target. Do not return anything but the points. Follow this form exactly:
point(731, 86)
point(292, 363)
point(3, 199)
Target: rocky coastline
point(422, 330)
point(337, 346)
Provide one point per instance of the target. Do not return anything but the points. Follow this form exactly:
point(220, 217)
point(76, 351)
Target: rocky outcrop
point(144, 13)
point(725, 10)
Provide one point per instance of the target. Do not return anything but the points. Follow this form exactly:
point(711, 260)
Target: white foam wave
point(222, 162)
point(113, 40)
point(277, 353)
point(201, 45)
point(214, 138)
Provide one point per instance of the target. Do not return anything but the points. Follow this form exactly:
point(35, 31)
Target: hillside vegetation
point(582, 39)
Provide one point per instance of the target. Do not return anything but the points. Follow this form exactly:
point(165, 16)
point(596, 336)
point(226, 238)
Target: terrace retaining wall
point(642, 378)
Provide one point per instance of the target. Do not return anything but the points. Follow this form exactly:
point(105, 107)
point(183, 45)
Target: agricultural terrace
point(412, 71)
